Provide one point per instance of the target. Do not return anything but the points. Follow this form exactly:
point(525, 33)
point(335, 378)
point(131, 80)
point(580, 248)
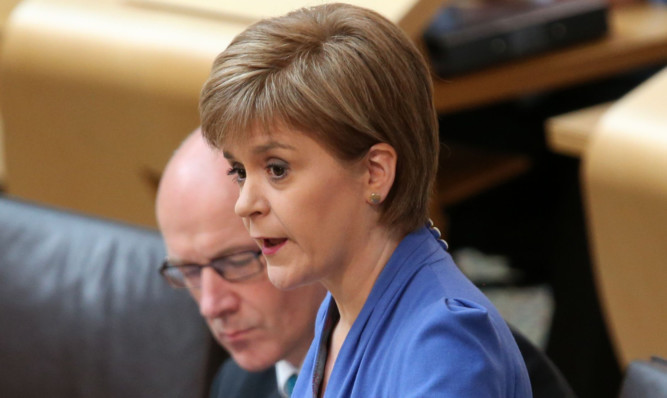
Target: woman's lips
point(272, 245)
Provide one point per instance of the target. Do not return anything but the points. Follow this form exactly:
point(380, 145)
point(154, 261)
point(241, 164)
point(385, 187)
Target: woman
point(326, 116)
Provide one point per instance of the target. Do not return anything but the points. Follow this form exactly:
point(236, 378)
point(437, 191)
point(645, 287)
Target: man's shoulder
point(232, 381)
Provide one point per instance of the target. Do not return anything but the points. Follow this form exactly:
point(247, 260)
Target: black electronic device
point(470, 34)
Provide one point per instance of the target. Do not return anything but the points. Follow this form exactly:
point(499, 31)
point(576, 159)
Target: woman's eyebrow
point(271, 145)
point(261, 149)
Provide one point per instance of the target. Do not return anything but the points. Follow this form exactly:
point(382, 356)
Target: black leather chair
point(545, 378)
point(83, 312)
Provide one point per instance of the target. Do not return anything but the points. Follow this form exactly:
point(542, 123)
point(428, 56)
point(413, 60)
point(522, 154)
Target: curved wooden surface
point(625, 187)
point(96, 96)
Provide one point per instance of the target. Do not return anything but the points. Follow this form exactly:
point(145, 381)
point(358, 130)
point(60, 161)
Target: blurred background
point(551, 189)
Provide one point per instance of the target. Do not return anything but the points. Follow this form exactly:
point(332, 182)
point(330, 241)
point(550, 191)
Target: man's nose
point(217, 296)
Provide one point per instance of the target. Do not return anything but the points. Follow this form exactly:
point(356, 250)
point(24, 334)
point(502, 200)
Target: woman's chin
point(282, 278)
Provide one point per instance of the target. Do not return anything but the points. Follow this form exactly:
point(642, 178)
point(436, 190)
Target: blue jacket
point(424, 331)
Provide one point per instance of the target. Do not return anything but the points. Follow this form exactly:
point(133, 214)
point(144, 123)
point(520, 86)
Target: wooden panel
point(3, 168)
point(466, 171)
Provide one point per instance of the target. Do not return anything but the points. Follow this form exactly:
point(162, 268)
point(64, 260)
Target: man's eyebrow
point(261, 149)
point(234, 250)
point(220, 253)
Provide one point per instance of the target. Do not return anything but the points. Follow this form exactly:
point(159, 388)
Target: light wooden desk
point(569, 134)
point(637, 38)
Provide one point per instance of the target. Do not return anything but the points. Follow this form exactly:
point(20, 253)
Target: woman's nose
point(251, 200)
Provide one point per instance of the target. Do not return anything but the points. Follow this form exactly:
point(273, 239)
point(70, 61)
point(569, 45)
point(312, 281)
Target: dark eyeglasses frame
point(217, 264)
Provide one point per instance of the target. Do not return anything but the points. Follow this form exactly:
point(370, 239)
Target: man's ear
point(381, 166)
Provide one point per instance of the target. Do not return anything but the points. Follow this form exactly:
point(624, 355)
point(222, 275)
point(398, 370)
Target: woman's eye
point(277, 171)
point(238, 173)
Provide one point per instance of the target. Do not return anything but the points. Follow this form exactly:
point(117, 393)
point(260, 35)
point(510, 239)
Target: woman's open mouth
point(272, 245)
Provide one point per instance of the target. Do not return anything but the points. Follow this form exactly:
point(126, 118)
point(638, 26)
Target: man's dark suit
point(234, 382)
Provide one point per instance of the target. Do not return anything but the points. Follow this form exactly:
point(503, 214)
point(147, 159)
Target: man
point(211, 253)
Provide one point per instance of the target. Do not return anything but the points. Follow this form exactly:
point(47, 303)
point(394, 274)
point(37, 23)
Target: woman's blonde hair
point(345, 76)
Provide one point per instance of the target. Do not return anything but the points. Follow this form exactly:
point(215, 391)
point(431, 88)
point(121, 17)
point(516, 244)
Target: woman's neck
point(350, 288)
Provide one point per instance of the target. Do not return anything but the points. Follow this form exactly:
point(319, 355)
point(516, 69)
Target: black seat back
point(84, 313)
point(545, 378)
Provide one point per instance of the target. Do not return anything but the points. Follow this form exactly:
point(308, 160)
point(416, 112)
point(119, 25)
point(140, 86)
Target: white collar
point(284, 370)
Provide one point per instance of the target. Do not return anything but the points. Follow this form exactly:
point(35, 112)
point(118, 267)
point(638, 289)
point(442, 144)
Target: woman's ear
point(381, 163)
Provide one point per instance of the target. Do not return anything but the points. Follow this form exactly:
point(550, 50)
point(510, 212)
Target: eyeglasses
point(233, 268)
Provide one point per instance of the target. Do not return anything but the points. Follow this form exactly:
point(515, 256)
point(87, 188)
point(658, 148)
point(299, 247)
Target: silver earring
point(375, 198)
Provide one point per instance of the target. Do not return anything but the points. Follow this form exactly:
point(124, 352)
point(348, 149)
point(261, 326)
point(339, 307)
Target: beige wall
point(6, 7)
